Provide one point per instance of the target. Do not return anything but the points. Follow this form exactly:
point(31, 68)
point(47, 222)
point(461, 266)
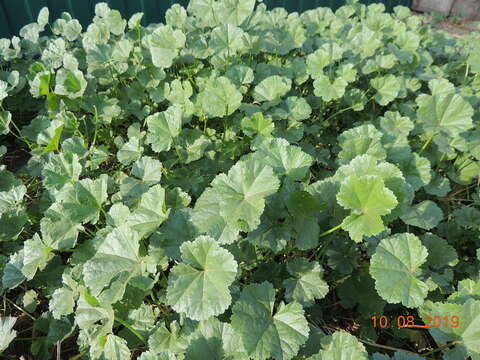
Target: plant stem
point(132, 330)
point(386, 347)
point(425, 145)
point(441, 348)
point(79, 356)
point(338, 113)
point(331, 230)
point(20, 309)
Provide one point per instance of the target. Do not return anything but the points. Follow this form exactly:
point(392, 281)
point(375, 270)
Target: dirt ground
point(454, 25)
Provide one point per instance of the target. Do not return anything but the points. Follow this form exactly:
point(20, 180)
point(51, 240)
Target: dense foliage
point(240, 183)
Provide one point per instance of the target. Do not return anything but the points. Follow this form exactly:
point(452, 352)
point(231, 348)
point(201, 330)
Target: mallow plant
point(240, 183)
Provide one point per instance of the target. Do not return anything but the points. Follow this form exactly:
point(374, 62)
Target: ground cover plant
point(240, 183)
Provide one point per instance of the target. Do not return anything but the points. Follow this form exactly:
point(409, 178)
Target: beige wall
point(467, 8)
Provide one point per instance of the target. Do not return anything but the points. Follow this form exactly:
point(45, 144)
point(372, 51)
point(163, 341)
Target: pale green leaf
point(70, 83)
point(164, 44)
point(234, 12)
point(219, 97)
point(257, 124)
point(83, 201)
point(164, 127)
point(150, 212)
point(444, 111)
point(306, 284)
point(5, 119)
point(329, 90)
point(115, 262)
point(387, 88)
point(7, 332)
point(285, 159)
point(243, 191)
point(61, 169)
point(170, 339)
point(265, 333)
point(395, 266)
point(364, 139)
point(341, 346)
point(272, 88)
point(198, 287)
point(368, 199)
point(148, 169)
point(425, 215)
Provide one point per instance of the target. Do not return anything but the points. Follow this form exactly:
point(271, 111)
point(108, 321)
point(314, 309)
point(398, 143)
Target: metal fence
point(16, 13)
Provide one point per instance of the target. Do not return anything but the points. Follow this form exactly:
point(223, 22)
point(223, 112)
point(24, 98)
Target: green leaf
point(417, 170)
point(6, 329)
point(43, 15)
point(467, 216)
point(173, 233)
point(226, 40)
point(164, 44)
point(364, 139)
point(130, 151)
point(285, 159)
point(54, 142)
point(265, 333)
point(207, 217)
point(425, 215)
point(82, 202)
point(342, 255)
point(5, 119)
point(272, 88)
point(440, 253)
point(70, 83)
point(72, 30)
point(395, 266)
point(58, 230)
point(148, 169)
point(192, 145)
point(163, 128)
point(307, 284)
point(12, 272)
point(150, 212)
point(359, 290)
point(467, 332)
point(243, 191)
point(387, 88)
point(61, 169)
point(12, 223)
point(170, 339)
point(303, 208)
point(325, 55)
point(215, 340)
point(198, 287)
point(439, 186)
point(219, 97)
point(257, 124)
point(293, 109)
point(234, 12)
point(115, 262)
point(341, 346)
point(62, 302)
point(116, 348)
point(328, 90)
point(368, 199)
point(444, 111)
point(36, 256)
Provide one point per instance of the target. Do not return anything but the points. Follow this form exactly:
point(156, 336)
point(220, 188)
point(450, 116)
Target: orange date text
point(409, 321)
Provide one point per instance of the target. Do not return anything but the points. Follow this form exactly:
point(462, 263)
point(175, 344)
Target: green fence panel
point(16, 13)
